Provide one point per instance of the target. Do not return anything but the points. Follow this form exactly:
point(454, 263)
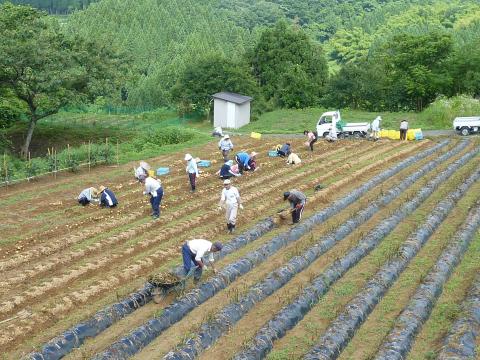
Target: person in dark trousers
point(87, 196)
point(312, 138)
point(403, 129)
point(107, 198)
point(192, 171)
point(192, 253)
point(225, 145)
point(225, 171)
point(297, 201)
point(153, 187)
point(242, 159)
point(285, 150)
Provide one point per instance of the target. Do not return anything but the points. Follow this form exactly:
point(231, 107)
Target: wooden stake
point(55, 163)
point(89, 145)
point(5, 168)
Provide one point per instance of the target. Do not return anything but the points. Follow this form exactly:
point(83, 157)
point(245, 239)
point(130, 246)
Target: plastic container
point(204, 163)
point(163, 171)
point(151, 172)
point(272, 153)
point(410, 134)
point(256, 135)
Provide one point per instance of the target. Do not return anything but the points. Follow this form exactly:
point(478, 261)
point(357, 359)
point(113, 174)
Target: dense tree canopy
point(45, 69)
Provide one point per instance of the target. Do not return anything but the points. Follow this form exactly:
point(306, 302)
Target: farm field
point(344, 283)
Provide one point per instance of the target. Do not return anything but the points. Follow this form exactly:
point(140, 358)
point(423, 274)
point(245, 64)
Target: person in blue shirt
point(246, 161)
point(285, 150)
point(107, 198)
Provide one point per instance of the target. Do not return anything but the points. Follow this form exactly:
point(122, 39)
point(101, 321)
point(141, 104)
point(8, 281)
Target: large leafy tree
point(417, 67)
point(46, 69)
point(283, 52)
point(208, 75)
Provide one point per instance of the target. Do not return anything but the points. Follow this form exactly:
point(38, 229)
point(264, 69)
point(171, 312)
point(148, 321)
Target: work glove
point(241, 206)
point(298, 206)
point(205, 268)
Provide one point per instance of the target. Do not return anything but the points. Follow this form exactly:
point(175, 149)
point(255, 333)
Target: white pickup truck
point(329, 118)
point(466, 125)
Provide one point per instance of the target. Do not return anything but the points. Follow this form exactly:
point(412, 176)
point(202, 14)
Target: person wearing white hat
point(192, 171)
point(225, 145)
point(141, 170)
point(231, 201)
point(375, 127)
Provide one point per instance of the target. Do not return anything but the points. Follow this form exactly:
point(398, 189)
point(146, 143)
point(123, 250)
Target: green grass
point(286, 121)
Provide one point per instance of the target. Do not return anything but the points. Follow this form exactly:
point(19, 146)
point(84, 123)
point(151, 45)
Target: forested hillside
point(56, 7)
point(381, 54)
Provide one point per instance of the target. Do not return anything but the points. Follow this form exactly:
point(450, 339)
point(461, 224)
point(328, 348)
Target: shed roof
point(232, 97)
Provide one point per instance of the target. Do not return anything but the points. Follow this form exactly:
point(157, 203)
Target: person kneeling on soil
point(226, 171)
point(192, 253)
point(153, 187)
point(230, 200)
point(141, 170)
point(293, 159)
point(285, 150)
point(87, 196)
point(107, 198)
point(297, 201)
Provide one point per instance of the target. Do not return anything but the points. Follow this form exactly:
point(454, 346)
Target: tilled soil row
point(152, 260)
point(96, 214)
point(65, 241)
point(35, 291)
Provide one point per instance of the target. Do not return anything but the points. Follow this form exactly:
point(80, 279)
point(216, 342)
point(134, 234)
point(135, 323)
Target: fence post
point(118, 161)
point(89, 145)
point(29, 165)
point(6, 169)
point(55, 163)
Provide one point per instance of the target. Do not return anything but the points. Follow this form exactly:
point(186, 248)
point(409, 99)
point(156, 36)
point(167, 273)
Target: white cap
point(188, 157)
point(226, 182)
point(226, 137)
point(253, 154)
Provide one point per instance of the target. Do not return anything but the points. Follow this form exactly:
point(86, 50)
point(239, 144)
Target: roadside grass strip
point(460, 344)
point(210, 331)
point(143, 335)
point(290, 315)
point(74, 337)
point(356, 311)
point(399, 341)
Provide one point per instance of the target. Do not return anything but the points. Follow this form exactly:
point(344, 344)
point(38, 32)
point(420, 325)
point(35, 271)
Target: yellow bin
point(151, 173)
point(256, 135)
point(411, 134)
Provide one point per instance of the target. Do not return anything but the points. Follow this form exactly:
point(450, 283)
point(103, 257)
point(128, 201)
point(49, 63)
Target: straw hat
point(227, 182)
point(253, 154)
point(94, 191)
point(226, 137)
point(101, 188)
point(188, 157)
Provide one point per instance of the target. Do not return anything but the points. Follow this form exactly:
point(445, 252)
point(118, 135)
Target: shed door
point(230, 115)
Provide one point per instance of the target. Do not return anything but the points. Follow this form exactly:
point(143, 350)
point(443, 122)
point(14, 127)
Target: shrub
point(443, 110)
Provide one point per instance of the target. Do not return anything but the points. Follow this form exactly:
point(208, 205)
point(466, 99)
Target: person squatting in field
point(153, 187)
point(226, 171)
point(293, 159)
point(87, 196)
point(285, 150)
point(225, 145)
point(192, 253)
point(230, 200)
point(246, 162)
point(312, 138)
point(297, 200)
point(107, 198)
point(141, 170)
point(192, 171)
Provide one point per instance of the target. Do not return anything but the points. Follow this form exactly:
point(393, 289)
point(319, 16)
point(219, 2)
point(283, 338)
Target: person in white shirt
point(193, 252)
point(375, 128)
point(403, 129)
point(225, 145)
point(153, 187)
point(87, 196)
point(230, 200)
point(141, 170)
point(217, 131)
point(192, 171)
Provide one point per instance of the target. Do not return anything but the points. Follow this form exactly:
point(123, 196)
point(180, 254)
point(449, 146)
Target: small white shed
point(231, 110)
